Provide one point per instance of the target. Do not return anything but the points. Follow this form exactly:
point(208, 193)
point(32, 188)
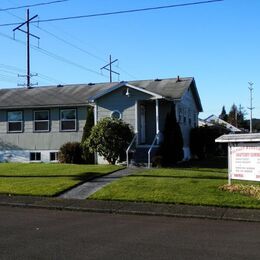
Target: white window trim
point(41, 121)
point(116, 111)
point(8, 129)
point(68, 120)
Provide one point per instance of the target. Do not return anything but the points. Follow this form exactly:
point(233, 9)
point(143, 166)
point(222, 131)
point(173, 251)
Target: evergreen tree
point(87, 155)
point(232, 116)
point(236, 116)
point(171, 149)
point(223, 114)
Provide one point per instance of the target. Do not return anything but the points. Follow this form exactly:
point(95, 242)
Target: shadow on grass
point(77, 176)
point(219, 162)
point(180, 177)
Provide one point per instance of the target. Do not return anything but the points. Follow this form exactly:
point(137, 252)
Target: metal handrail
point(156, 138)
point(128, 149)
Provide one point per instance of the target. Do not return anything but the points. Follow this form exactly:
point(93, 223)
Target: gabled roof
point(60, 96)
point(217, 120)
point(238, 138)
point(80, 94)
point(121, 84)
point(172, 89)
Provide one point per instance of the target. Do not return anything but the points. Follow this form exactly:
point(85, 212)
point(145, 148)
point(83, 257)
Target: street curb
point(135, 208)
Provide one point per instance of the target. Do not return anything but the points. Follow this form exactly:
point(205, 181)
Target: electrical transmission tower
point(251, 104)
point(28, 34)
point(110, 68)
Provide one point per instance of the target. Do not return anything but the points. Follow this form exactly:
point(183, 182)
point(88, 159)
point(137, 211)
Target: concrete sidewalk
point(86, 189)
point(137, 208)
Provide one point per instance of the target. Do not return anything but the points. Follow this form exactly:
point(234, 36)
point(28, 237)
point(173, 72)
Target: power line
point(109, 68)
point(62, 59)
point(32, 5)
point(28, 35)
point(10, 70)
point(53, 55)
point(74, 46)
point(119, 12)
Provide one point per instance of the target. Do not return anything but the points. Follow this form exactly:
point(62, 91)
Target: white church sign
point(243, 156)
point(245, 162)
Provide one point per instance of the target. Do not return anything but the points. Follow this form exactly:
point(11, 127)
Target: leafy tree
point(223, 114)
point(86, 154)
point(171, 149)
point(110, 138)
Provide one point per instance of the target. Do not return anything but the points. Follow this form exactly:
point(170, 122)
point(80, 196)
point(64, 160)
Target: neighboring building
point(35, 122)
point(214, 120)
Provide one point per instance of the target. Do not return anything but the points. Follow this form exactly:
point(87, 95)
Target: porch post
point(136, 121)
point(157, 118)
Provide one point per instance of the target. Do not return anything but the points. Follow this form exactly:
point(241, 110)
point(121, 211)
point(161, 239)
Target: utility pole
point(110, 68)
point(28, 34)
point(251, 104)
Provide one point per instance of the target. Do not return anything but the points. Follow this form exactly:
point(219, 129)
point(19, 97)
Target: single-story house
point(35, 122)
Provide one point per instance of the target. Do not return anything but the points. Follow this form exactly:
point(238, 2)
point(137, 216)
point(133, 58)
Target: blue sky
point(217, 44)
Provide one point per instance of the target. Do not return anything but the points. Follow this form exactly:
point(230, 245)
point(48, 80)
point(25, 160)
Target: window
point(54, 156)
point(41, 121)
point(115, 115)
point(15, 121)
point(35, 156)
point(68, 120)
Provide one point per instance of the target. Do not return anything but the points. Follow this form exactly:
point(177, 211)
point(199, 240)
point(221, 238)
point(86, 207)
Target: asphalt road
point(49, 234)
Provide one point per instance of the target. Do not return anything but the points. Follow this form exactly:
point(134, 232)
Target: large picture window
point(41, 121)
point(68, 120)
point(15, 121)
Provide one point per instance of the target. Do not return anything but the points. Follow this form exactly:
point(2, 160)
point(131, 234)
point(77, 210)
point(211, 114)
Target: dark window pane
point(32, 156)
point(116, 115)
point(14, 127)
point(41, 126)
point(53, 156)
point(38, 156)
point(41, 115)
point(68, 125)
point(35, 156)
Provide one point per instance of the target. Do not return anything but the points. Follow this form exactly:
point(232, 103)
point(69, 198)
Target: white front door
point(142, 124)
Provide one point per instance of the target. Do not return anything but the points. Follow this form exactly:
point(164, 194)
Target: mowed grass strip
point(199, 186)
point(41, 179)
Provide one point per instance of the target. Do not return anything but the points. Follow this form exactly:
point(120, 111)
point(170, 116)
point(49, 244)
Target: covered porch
point(149, 120)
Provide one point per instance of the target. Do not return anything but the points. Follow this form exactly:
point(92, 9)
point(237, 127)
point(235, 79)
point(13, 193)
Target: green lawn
point(194, 186)
point(46, 179)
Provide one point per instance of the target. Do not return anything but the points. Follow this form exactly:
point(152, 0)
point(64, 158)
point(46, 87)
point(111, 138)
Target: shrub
point(86, 154)
point(110, 138)
point(171, 149)
point(202, 141)
point(71, 153)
